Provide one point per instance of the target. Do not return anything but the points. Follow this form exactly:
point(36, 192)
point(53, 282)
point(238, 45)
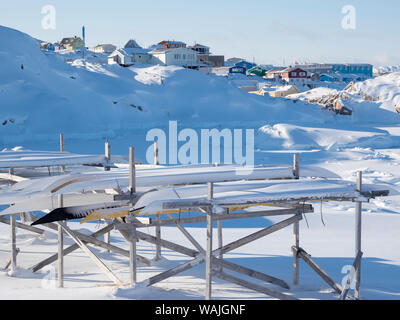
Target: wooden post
point(107, 155)
point(132, 173)
point(156, 154)
point(13, 243)
point(296, 166)
point(107, 236)
point(158, 237)
point(132, 255)
point(358, 235)
point(296, 228)
point(62, 148)
point(209, 243)
point(60, 248)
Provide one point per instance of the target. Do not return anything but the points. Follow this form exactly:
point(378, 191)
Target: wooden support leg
point(84, 247)
point(132, 256)
point(13, 243)
point(60, 257)
point(107, 237)
point(358, 236)
point(220, 243)
point(209, 255)
point(296, 226)
point(158, 236)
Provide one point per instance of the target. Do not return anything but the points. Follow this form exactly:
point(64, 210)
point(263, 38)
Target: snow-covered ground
point(41, 95)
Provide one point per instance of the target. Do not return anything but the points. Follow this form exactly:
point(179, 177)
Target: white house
point(128, 56)
point(104, 48)
point(175, 56)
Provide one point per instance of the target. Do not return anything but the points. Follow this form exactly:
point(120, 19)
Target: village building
point(129, 56)
point(205, 58)
point(175, 56)
point(294, 75)
point(104, 48)
point(47, 46)
point(276, 91)
point(172, 44)
point(72, 43)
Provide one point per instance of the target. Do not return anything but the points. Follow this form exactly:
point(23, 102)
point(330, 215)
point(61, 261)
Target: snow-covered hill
point(41, 95)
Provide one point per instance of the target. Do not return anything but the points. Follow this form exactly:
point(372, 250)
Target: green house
point(260, 71)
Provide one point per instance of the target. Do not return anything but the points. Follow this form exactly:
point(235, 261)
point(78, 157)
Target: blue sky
point(264, 30)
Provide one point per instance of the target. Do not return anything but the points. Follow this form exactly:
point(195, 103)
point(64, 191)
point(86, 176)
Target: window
point(184, 56)
point(177, 56)
point(294, 74)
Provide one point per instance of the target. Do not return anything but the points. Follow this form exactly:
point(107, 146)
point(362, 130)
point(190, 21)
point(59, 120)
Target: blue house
point(362, 69)
point(327, 78)
point(245, 64)
point(237, 69)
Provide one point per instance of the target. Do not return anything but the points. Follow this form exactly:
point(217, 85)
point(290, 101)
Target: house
point(129, 56)
point(245, 64)
point(72, 43)
point(104, 48)
point(47, 46)
point(277, 91)
point(365, 70)
point(237, 69)
point(260, 71)
point(175, 56)
point(211, 60)
point(172, 44)
point(274, 73)
point(232, 61)
point(319, 68)
point(200, 49)
point(328, 78)
point(294, 75)
point(205, 58)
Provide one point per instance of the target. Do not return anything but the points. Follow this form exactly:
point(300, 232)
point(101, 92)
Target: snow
point(41, 95)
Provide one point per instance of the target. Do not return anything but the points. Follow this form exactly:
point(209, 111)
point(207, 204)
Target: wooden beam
point(8, 263)
point(307, 259)
point(296, 166)
point(222, 217)
point(252, 286)
point(132, 256)
point(70, 249)
point(132, 173)
point(199, 257)
point(358, 223)
point(259, 234)
point(250, 273)
point(156, 154)
point(62, 148)
point(158, 237)
point(209, 254)
point(187, 234)
point(13, 237)
point(23, 226)
point(83, 246)
point(296, 227)
point(107, 155)
point(60, 258)
point(164, 243)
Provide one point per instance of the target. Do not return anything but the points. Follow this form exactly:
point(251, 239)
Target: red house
point(294, 75)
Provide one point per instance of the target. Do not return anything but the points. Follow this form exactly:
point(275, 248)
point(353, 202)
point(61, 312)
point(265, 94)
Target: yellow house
point(72, 43)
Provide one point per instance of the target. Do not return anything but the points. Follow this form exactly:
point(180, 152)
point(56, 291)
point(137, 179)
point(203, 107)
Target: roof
point(130, 51)
point(199, 45)
point(132, 44)
point(70, 40)
point(172, 42)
